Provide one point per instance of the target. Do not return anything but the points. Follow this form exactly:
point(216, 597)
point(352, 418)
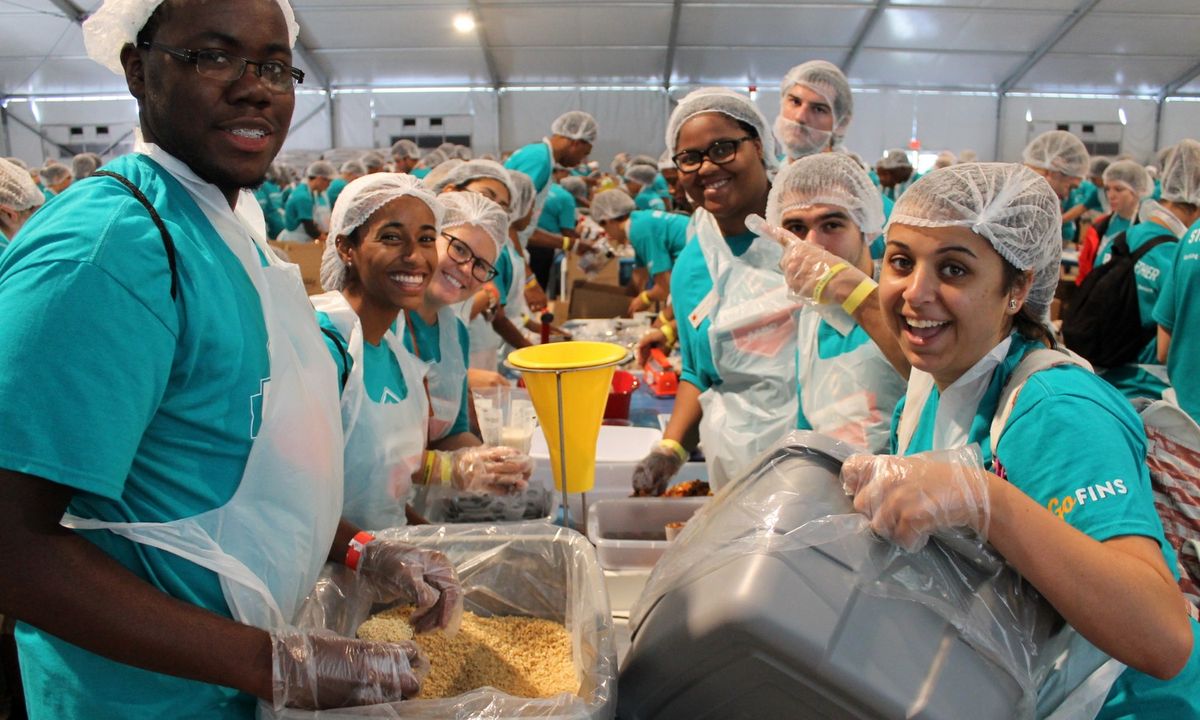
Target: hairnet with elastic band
point(1181, 174)
point(828, 81)
point(525, 195)
point(641, 174)
point(725, 102)
point(1097, 166)
point(827, 179)
point(118, 22)
point(405, 148)
point(18, 191)
point(577, 186)
point(353, 167)
point(436, 179)
point(471, 170)
point(361, 199)
point(1131, 175)
point(54, 173)
point(468, 208)
point(576, 125)
point(1057, 151)
point(321, 169)
point(894, 159)
point(1009, 205)
point(612, 204)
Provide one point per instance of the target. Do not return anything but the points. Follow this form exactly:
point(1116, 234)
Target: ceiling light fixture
point(464, 22)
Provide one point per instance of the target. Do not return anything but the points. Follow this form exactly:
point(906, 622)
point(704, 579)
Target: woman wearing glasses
point(737, 327)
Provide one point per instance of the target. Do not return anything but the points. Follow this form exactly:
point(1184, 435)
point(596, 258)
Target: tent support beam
point(1048, 44)
point(1168, 90)
point(861, 36)
point(36, 131)
point(672, 44)
point(73, 12)
point(484, 45)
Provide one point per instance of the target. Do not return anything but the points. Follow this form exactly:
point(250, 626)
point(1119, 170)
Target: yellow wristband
point(566, 244)
point(824, 281)
point(532, 282)
point(644, 297)
point(669, 332)
point(676, 448)
point(427, 464)
point(864, 289)
point(662, 318)
point(445, 469)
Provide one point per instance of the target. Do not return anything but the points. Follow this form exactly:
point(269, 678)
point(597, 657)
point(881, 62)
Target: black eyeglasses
point(461, 254)
point(278, 77)
point(719, 153)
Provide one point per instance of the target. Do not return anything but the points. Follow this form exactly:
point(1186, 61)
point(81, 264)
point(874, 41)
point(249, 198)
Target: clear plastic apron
point(446, 377)
point(384, 440)
point(268, 543)
point(321, 214)
point(753, 341)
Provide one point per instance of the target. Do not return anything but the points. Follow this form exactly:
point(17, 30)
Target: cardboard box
point(597, 300)
point(609, 275)
point(308, 257)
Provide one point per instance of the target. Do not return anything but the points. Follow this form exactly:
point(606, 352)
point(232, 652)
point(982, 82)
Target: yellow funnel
point(573, 376)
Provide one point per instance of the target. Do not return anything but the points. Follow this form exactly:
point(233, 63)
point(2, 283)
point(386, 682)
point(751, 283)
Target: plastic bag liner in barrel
point(528, 569)
point(778, 601)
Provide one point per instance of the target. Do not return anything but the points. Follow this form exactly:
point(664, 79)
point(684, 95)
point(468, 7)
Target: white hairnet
point(406, 148)
point(1057, 150)
point(728, 103)
point(1152, 171)
point(462, 152)
point(373, 159)
point(118, 22)
point(352, 167)
point(620, 160)
point(825, 79)
point(665, 162)
point(54, 173)
point(968, 156)
point(18, 162)
point(84, 164)
point(576, 125)
point(361, 199)
point(894, 159)
point(1008, 204)
point(433, 159)
point(321, 169)
point(945, 159)
point(468, 208)
point(643, 174)
point(438, 178)
point(525, 195)
point(17, 189)
point(1098, 165)
point(577, 186)
point(827, 179)
point(612, 204)
point(465, 172)
point(1131, 175)
point(1181, 174)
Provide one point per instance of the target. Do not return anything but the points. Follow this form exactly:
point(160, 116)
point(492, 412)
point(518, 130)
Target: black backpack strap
point(1150, 245)
point(341, 348)
point(168, 244)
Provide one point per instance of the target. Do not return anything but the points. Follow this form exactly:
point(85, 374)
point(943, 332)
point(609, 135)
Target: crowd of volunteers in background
point(190, 437)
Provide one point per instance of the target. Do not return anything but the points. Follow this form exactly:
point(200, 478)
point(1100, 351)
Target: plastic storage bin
point(629, 533)
point(777, 601)
point(531, 569)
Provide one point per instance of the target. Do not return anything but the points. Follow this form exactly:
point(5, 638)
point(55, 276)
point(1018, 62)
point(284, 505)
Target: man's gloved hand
point(652, 474)
point(813, 274)
point(491, 469)
point(396, 571)
point(317, 671)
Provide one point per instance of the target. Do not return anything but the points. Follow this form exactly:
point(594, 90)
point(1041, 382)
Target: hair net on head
point(968, 156)
point(525, 195)
point(406, 149)
point(373, 159)
point(577, 186)
point(1097, 166)
point(1059, 151)
point(826, 80)
point(477, 170)
point(827, 179)
point(619, 161)
point(118, 22)
point(17, 189)
point(433, 159)
point(576, 125)
point(1008, 204)
point(321, 169)
point(1131, 175)
point(55, 173)
point(642, 174)
point(447, 149)
point(1152, 171)
point(894, 159)
point(353, 167)
point(361, 199)
point(1181, 175)
point(612, 204)
point(462, 152)
point(438, 178)
point(83, 165)
point(728, 103)
point(468, 208)
point(665, 162)
point(18, 162)
point(945, 159)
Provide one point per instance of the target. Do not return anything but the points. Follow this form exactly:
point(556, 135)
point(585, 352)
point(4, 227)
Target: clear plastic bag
point(528, 569)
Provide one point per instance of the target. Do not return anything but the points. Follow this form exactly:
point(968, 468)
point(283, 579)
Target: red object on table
point(660, 374)
point(620, 395)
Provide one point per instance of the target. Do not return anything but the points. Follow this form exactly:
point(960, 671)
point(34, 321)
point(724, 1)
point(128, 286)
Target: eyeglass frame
point(475, 260)
point(193, 57)
point(705, 154)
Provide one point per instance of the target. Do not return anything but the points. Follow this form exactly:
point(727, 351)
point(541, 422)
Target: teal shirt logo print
point(257, 401)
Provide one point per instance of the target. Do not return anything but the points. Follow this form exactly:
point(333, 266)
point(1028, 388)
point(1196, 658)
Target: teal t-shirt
point(299, 207)
point(148, 407)
point(690, 284)
point(658, 238)
point(1139, 379)
point(430, 341)
point(648, 199)
point(419, 172)
point(381, 370)
point(660, 187)
point(535, 161)
point(1104, 492)
point(1088, 195)
point(1178, 312)
point(269, 198)
point(335, 188)
point(504, 275)
point(558, 212)
point(1068, 228)
point(3, 243)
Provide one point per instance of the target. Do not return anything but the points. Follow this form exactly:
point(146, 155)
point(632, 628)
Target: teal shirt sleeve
point(648, 231)
point(1151, 271)
point(690, 284)
point(336, 344)
point(534, 160)
point(504, 276)
point(1164, 307)
point(299, 207)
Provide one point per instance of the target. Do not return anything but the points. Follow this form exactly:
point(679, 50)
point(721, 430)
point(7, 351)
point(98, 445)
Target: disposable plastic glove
point(813, 274)
point(395, 571)
point(492, 469)
point(907, 499)
point(317, 671)
point(652, 474)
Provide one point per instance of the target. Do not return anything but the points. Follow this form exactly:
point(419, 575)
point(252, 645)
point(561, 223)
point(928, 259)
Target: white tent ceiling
point(1136, 47)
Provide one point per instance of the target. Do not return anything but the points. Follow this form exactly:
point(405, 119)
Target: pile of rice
point(521, 656)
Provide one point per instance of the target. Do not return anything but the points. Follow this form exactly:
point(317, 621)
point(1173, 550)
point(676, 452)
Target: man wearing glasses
point(155, 361)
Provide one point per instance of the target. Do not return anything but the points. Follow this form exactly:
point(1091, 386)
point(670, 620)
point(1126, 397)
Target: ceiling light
point(1121, 116)
point(464, 22)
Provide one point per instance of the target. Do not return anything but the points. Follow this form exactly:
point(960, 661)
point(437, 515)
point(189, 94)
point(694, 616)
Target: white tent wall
point(632, 121)
point(1136, 137)
point(310, 123)
point(1181, 119)
point(885, 119)
point(54, 118)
